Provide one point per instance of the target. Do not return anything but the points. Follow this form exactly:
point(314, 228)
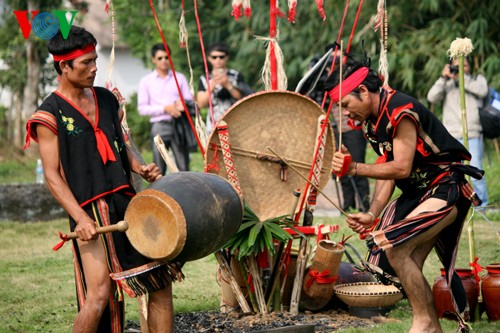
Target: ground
point(329, 321)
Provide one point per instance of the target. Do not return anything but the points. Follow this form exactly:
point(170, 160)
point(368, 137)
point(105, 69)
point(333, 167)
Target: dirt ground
point(329, 321)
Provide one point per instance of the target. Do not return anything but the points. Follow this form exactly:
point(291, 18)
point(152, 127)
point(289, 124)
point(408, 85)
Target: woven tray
point(368, 294)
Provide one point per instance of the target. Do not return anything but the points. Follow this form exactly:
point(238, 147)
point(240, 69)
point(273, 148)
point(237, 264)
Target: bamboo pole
point(172, 167)
point(235, 287)
point(257, 283)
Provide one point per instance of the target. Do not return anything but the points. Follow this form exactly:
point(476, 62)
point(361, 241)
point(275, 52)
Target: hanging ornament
point(381, 23)
point(236, 12)
point(106, 8)
point(247, 9)
point(321, 10)
point(273, 48)
point(292, 10)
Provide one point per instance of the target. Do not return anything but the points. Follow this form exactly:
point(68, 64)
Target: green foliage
point(255, 236)
point(137, 27)
point(139, 125)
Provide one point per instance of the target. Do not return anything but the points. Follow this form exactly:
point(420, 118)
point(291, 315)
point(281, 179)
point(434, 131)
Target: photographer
point(446, 90)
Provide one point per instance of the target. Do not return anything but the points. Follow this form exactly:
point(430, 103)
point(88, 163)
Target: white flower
point(460, 47)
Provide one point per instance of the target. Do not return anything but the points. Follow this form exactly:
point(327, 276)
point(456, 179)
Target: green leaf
point(246, 225)
point(254, 232)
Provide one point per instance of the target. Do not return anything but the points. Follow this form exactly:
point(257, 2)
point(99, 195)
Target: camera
point(453, 69)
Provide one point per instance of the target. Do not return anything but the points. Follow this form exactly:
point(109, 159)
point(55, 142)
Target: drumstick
point(172, 168)
point(121, 226)
point(340, 104)
point(310, 183)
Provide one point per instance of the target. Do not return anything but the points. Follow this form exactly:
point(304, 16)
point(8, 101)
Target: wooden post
point(235, 287)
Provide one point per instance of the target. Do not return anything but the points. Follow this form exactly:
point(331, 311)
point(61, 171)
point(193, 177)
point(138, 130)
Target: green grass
point(37, 285)
point(37, 293)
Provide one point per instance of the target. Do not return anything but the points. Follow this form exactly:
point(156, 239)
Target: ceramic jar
point(442, 295)
point(490, 288)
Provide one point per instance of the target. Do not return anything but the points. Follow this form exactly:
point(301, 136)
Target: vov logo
point(45, 24)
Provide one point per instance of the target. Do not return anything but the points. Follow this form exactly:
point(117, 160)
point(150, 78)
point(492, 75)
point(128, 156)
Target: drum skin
point(284, 121)
point(184, 216)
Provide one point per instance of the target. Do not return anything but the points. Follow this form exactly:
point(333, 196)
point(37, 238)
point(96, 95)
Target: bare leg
point(408, 260)
point(142, 302)
point(161, 311)
point(98, 285)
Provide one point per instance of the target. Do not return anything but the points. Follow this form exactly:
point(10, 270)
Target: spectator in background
point(447, 91)
point(159, 99)
point(226, 85)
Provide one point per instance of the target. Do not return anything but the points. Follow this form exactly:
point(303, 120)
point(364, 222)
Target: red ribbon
point(74, 54)
point(365, 234)
point(349, 84)
point(64, 239)
point(320, 278)
point(476, 269)
point(103, 146)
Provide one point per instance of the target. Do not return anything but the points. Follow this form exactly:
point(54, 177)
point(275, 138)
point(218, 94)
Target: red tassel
point(321, 10)
point(292, 11)
point(64, 239)
point(248, 12)
point(236, 12)
point(476, 269)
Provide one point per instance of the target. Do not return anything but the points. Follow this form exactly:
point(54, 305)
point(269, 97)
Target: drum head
point(284, 121)
point(157, 226)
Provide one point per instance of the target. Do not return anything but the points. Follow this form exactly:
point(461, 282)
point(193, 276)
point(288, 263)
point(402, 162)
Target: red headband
point(349, 84)
point(75, 53)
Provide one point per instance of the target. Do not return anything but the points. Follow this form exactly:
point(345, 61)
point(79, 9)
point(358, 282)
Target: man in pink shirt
point(159, 99)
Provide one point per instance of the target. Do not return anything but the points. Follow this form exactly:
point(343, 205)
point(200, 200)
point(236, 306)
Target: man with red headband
point(420, 157)
point(87, 168)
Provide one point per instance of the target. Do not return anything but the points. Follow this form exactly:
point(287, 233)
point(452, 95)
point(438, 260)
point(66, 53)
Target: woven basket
point(316, 295)
point(368, 294)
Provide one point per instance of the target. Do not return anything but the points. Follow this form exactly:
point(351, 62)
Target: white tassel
point(266, 69)
point(247, 8)
point(383, 67)
point(183, 40)
point(201, 130)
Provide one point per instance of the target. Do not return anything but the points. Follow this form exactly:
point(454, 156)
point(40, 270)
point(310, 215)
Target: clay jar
point(490, 288)
point(442, 295)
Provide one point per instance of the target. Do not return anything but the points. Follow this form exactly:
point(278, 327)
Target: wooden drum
point(184, 216)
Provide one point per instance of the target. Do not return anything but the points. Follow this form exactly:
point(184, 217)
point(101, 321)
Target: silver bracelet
point(372, 215)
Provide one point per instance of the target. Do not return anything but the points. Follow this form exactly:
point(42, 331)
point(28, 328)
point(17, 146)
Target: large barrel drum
point(184, 216)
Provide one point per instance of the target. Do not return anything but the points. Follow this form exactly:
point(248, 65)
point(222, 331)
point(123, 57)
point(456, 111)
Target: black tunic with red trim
point(435, 146)
point(88, 176)
point(436, 172)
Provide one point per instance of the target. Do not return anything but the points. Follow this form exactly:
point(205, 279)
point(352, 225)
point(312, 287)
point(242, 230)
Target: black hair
point(78, 38)
point(373, 82)
point(219, 47)
point(159, 47)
